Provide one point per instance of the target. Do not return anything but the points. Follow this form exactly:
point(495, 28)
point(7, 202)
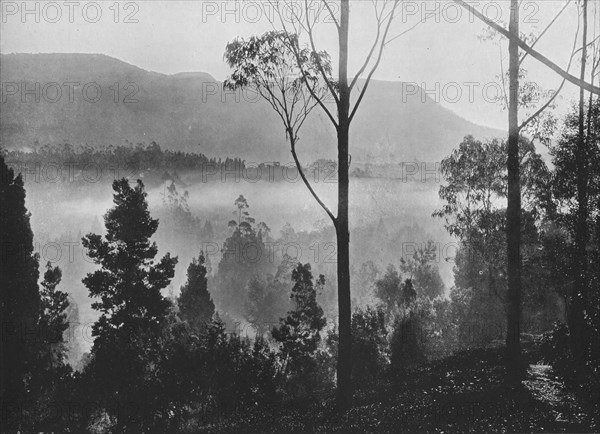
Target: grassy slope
point(462, 393)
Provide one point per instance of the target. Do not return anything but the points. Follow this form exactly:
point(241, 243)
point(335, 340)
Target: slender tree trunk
point(513, 212)
point(578, 335)
point(344, 366)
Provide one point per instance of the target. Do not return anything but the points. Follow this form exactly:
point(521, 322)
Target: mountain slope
point(99, 100)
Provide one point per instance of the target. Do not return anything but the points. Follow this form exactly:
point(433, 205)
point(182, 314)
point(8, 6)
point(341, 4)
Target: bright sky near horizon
point(442, 53)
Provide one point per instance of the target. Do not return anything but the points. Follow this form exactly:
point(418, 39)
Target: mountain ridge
point(100, 100)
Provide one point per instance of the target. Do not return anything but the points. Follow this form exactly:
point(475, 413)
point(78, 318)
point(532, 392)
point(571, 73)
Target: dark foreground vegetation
point(466, 392)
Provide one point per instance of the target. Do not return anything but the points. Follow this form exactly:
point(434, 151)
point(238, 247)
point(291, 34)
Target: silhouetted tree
point(278, 57)
point(50, 379)
point(133, 311)
point(53, 313)
point(267, 301)
point(195, 303)
point(406, 346)
point(577, 316)
point(369, 344)
point(513, 209)
point(393, 292)
point(568, 192)
point(20, 298)
point(299, 333)
point(478, 175)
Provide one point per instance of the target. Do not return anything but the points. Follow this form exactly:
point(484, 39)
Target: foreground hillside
point(462, 393)
point(190, 111)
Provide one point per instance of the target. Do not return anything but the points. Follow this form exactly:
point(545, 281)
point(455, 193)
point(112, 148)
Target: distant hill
point(188, 111)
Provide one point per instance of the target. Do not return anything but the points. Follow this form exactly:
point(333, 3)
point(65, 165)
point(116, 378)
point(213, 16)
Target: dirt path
point(546, 388)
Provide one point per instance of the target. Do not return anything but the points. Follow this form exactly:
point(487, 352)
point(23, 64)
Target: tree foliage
point(369, 344)
point(299, 333)
point(423, 271)
point(20, 298)
point(244, 254)
point(275, 66)
point(195, 303)
point(393, 292)
point(126, 349)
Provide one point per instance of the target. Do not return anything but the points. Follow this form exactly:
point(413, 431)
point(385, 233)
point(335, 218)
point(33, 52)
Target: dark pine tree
point(126, 352)
point(50, 380)
point(299, 333)
point(20, 298)
point(53, 319)
point(195, 303)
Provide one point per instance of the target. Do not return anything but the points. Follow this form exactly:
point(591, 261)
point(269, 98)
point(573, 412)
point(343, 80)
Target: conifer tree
point(126, 352)
point(53, 314)
point(299, 332)
point(195, 303)
point(19, 295)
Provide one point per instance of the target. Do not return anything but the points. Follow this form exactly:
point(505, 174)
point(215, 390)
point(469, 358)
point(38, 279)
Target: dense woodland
point(181, 368)
point(74, 164)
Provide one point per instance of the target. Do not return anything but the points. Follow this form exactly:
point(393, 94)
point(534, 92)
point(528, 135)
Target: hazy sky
point(442, 54)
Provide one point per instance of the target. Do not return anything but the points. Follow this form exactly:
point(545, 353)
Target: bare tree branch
point(589, 44)
point(312, 44)
point(368, 59)
point(544, 107)
point(335, 21)
point(382, 46)
point(502, 75)
point(307, 183)
point(535, 54)
point(545, 30)
point(564, 80)
point(405, 32)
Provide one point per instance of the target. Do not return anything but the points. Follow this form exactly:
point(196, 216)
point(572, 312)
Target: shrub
point(369, 344)
point(406, 345)
point(556, 351)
